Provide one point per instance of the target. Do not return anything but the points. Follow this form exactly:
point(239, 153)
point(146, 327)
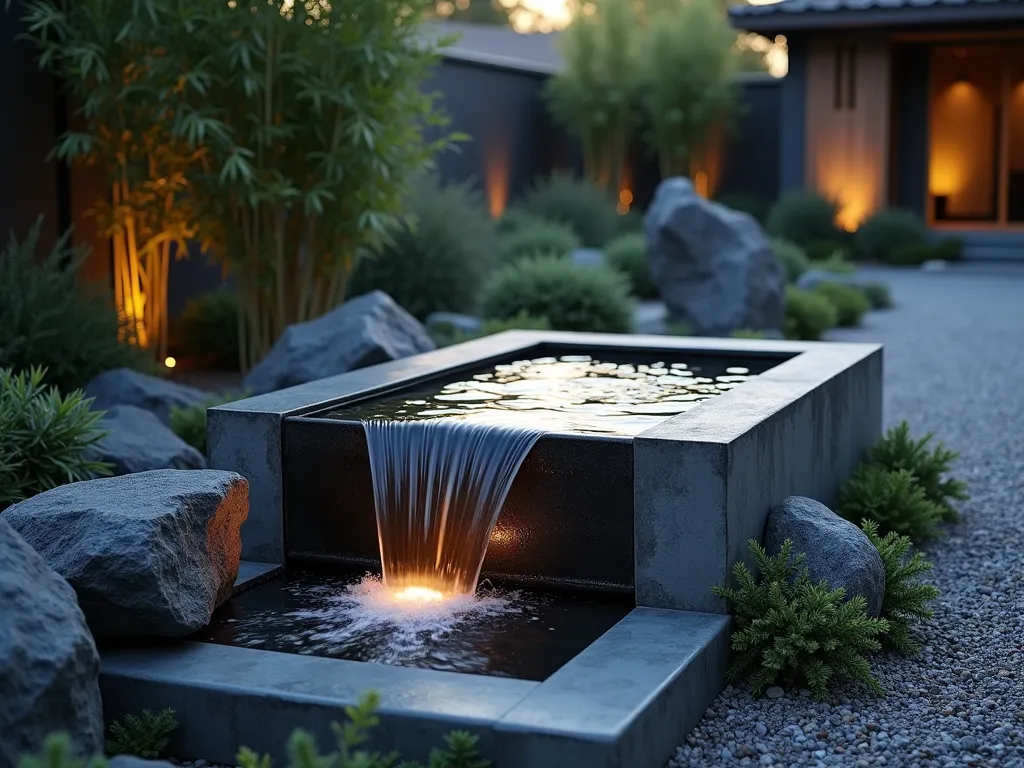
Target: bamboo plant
point(115, 72)
point(312, 120)
point(687, 82)
point(594, 95)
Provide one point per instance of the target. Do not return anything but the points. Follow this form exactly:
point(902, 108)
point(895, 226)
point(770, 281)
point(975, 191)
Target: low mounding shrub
point(929, 466)
point(629, 223)
point(190, 423)
point(915, 254)
point(444, 334)
point(805, 218)
point(208, 330)
point(906, 598)
point(790, 629)
point(887, 231)
point(878, 295)
point(144, 735)
point(539, 237)
point(755, 206)
point(569, 297)
point(835, 264)
point(808, 314)
point(460, 749)
point(949, 249)
point(438, 260)
point(850, 302)
point(893, 499)
point(744, 333)
point(45, 437)
point(49, 320)
point(516, 218)
point(792, 257)
point(575, 202)
point(628, 255)
point(828, 252)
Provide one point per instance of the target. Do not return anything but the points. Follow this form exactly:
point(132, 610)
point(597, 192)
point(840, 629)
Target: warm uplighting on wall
point(700, 183)
point(956, 168)
point(625, 201)
point(496, 176)
point(853, 189)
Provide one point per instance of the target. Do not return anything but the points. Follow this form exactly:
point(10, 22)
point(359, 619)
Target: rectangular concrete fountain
point(599, 641)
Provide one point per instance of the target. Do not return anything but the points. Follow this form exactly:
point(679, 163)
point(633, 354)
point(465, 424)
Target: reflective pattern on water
point(572, 393)
point(522, 634)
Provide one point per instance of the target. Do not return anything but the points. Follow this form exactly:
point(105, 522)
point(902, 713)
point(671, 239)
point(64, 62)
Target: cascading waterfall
point(438, 486)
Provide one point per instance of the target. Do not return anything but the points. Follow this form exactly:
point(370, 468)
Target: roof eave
point(777, 21)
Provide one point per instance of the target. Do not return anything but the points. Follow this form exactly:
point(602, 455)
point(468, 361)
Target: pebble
point(960, 702)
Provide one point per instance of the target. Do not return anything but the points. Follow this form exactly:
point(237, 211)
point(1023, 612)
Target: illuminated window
point(976, 154)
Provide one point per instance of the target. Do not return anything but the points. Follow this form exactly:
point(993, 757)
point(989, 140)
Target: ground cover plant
point(45, 437)
point(790, 629)
point(145, 735)
point(891, 498)
point(906, 598)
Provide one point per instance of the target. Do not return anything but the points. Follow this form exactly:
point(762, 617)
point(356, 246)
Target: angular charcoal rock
point(714, 267)
point(124, 386)
point(152, 553)
point(363, 331)
point(837, 550)
point(137, 441)
point(49, 667)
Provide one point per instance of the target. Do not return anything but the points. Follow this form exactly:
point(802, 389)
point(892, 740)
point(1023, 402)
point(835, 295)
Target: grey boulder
point(137, 441)
point(714, 267)
point(149, 554)
point(49, 667)
point(363, 331)
point(123, 386)
point(836, 550)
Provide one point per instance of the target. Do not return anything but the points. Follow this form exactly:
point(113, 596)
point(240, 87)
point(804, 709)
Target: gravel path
point(954, 365)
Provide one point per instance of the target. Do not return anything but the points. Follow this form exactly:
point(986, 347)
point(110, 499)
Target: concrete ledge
point(624, 702)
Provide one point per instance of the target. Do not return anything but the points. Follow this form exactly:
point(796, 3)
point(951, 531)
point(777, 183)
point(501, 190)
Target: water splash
point(438, 487)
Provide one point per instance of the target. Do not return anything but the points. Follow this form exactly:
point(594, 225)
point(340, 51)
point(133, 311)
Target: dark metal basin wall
point(568, 520)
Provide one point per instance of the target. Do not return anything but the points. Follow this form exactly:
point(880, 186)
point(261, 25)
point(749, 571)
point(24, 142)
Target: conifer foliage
point(891, 498)
point(791, 629)
point(906, 599)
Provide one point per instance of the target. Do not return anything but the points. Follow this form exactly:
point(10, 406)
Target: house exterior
point(917, 104)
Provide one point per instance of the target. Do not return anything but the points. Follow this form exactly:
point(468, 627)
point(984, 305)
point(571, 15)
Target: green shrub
point(788, 628)
point(912, 255)
point(893, 499)
point(144, 735)
point(540, 237)
point(678, 328)
point(209, 330)
point(887, 231)
point(755, 206)
point(460, 747)
point(792, 257)
point(515, 218)
point(949, 249)
point(45, 437)
point(850, 302)
point(835, 264)
point(628, 255)
point(805, 218)
point(828, 252)
point(439, 258)
point(744, 333)
point(569, 297)
point(59, 752)
point(808, 314)
point(878, 295)
point(905, 602)
point(630, 223)
point(575, 202)
point(190, 423)
point(444, 334)
point(49, 319)
point(898, 450)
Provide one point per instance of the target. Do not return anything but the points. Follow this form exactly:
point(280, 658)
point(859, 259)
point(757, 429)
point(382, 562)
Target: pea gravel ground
point(954, 365)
